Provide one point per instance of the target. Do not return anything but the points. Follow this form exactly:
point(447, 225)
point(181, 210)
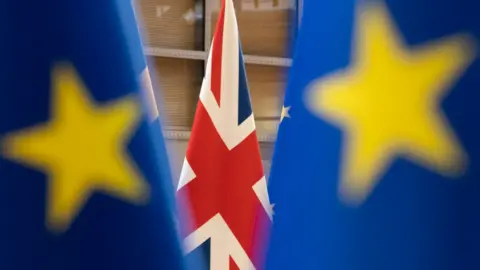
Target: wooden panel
point(262, 32)
point(266, 85)
point(180, 81)
point(170, 24)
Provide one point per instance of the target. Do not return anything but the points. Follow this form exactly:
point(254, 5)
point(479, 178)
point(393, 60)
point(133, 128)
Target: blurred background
point(177, 35)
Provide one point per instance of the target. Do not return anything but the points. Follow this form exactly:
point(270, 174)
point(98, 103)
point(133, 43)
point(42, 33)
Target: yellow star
point(285, 113)
point(388, 103)
point(82, 149)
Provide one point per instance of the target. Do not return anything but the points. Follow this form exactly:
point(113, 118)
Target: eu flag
point(378, 154)
point(82, 185)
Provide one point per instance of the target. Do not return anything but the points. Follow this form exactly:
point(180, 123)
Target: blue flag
point(82, 181)
point(378, 154)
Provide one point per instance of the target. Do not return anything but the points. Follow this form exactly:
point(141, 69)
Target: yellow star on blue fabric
point(388, 100)
point(81, 149)
point(285, 113)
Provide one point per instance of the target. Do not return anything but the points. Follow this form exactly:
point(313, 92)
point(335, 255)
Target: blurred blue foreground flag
point(81, 184)
point(377, 162)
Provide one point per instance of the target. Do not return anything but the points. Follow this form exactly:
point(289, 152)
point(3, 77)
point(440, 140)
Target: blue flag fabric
point(81, 186)
point(377, 160)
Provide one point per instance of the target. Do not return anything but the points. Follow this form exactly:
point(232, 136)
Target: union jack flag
point(222, 176)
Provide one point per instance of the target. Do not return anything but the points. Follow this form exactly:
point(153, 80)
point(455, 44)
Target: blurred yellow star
point(285, 113)
point(388, 103)
point(82, 149)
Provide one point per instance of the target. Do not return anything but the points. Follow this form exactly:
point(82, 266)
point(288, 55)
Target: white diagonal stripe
point(223, 245)
point(186, 175)
point(260, 189)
